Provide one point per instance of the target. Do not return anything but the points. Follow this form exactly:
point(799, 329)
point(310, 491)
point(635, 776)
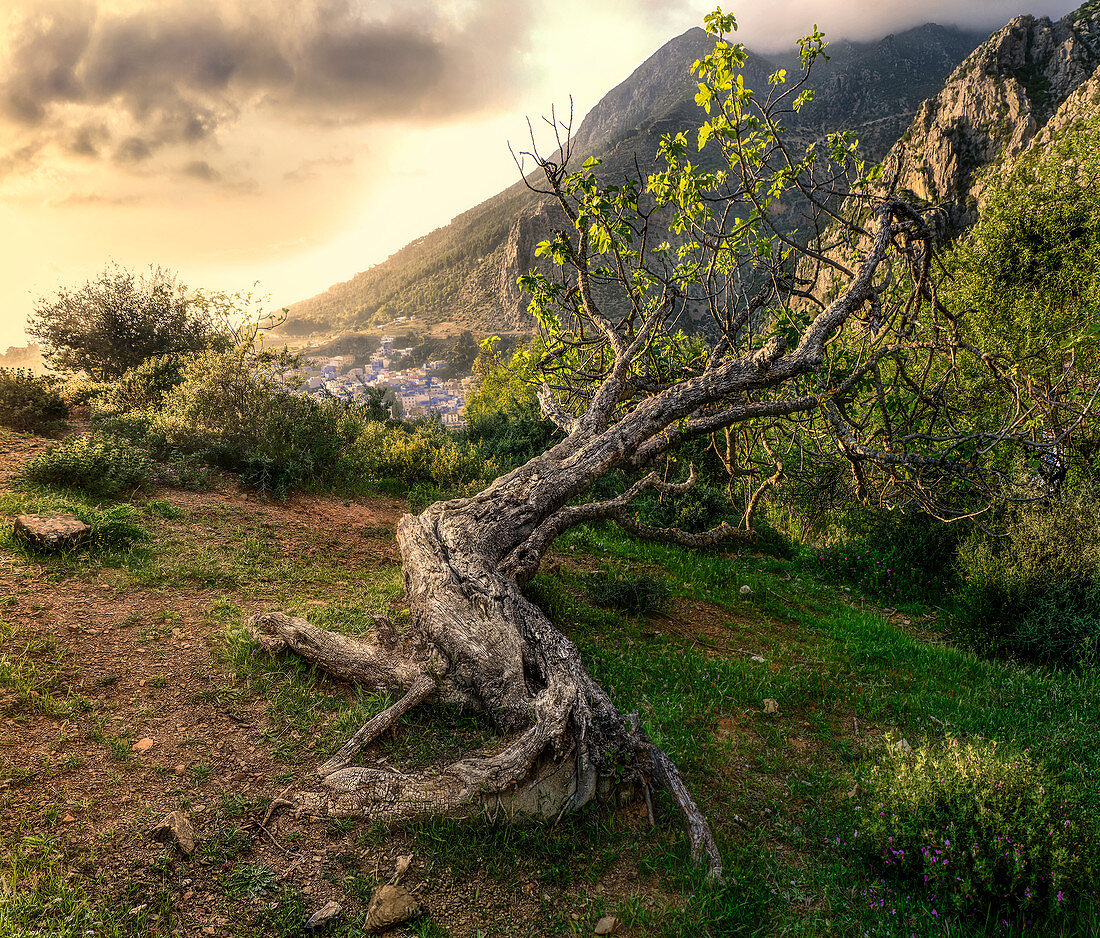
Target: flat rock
point(51, 532)
point(389, 906)
point(324, 915)
point(177, 829)
point(607, 925)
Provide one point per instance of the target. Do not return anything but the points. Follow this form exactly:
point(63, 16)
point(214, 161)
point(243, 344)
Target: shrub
point(145, 385)
point(424, 455)
point(118, 320)
point(976, 830)
point(895, 558)
point(235, 417)
point(30, 402)
point(705, 505)
point(1035, 592)
point(98, 465)
point(229, 411)
point(81, 391)
point(638, 595)
point(503, 414)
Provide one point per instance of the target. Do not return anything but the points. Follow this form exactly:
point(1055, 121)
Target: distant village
point(416, 391)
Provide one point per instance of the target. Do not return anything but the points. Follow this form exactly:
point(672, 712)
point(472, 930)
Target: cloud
point(132, 150)
point(82, 199)
point(19, 159)
point(309, 168)
point(122, 83)
point(201, 170)
point(776, 26)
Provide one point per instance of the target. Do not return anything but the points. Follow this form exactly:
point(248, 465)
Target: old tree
point(870, 369)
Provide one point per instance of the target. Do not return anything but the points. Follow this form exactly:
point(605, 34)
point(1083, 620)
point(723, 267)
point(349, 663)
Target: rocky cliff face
point(990, 109)
point(490, 295)
point(1082, 105)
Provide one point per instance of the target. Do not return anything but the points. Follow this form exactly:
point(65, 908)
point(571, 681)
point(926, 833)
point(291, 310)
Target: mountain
point(991, 108)
point(1029, 81)
point(465, 272)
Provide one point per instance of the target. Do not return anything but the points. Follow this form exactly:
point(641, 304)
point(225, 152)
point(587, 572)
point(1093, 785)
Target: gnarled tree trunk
point(474, 639)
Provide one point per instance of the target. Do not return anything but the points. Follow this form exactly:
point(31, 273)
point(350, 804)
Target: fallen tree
point(874, 365)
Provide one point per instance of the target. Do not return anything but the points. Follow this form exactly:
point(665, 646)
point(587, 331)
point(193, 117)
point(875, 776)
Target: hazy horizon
point(294, 145)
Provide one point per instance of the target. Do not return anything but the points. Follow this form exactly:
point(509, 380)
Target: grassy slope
point(145, 638)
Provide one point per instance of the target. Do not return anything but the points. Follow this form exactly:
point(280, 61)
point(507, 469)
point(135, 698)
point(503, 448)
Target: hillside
point(466, 271)
point(129, 689)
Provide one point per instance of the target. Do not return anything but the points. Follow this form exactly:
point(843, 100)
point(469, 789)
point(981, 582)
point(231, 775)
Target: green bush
point(99, 465)
point(1035, 592)
point(82, 391)
point(233, 416)
point(512, 439)
point(230, 414)
point(147, 384)
point(30, 402)
point(702, 507)
point(893, 557)
point(119, 319)
point(976, 830)
point(403, 457)
point(503, 415)
point(638, 595)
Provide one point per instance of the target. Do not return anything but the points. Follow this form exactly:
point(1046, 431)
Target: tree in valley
point(870, 367)
point(118, 320)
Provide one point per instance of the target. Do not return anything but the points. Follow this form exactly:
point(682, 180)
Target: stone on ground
point(389, 906)
point(177, 828)
point(325, 914)
point(51, 532)
point(607, 925)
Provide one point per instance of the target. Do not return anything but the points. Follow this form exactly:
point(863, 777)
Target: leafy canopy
point(119, 319)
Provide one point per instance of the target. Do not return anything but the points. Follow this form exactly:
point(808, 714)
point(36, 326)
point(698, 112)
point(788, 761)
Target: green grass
point(780, 789)
point(830, 659)
point(118, 537)
point(32, 669)
point(40, 897)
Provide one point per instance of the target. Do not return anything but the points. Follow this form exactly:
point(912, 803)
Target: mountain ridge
point(465, 271)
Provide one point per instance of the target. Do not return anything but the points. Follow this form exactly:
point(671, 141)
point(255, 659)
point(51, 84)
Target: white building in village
point(419, 390)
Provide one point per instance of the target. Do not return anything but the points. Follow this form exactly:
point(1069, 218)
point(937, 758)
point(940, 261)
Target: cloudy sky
point(291, 143)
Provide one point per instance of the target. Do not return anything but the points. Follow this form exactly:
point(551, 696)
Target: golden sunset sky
point(292, 143)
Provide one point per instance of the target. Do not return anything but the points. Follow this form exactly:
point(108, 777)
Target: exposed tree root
point(576, 740)
point(422, 688)
point(522, 778)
